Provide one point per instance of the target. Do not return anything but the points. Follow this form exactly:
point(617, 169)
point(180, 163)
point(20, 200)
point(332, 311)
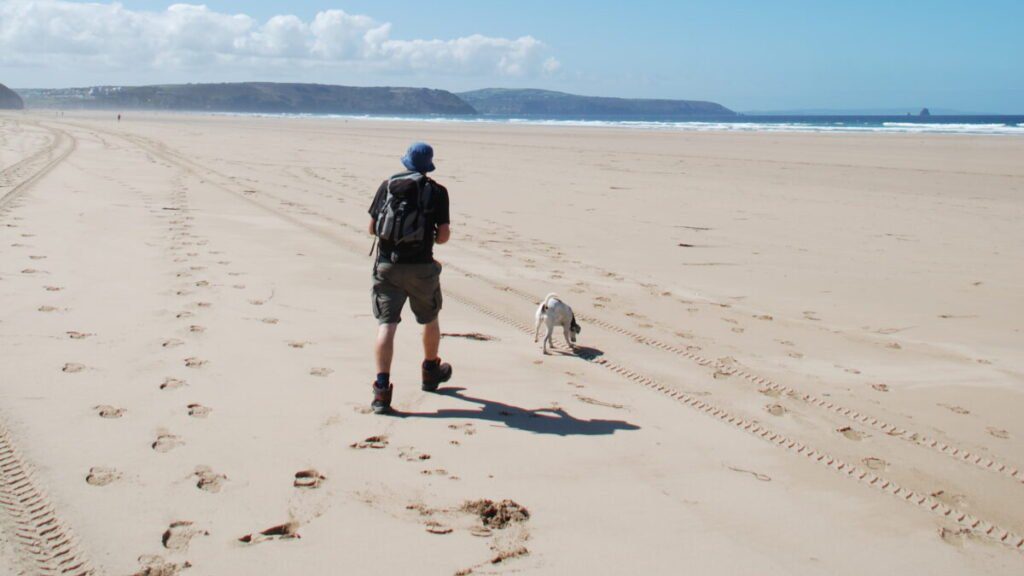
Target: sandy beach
point(801, 352)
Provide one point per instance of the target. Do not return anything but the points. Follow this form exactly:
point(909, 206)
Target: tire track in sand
point(45, 543)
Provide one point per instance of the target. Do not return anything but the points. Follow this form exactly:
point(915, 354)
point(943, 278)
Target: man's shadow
point(539, 421)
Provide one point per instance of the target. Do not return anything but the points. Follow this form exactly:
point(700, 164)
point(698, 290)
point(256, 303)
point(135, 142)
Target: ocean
point(994, 125)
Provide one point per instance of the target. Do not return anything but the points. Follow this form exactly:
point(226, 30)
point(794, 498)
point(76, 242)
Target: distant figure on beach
point(118, 117)
point(409, 214)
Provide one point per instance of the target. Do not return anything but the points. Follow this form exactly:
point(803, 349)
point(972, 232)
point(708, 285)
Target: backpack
point(403, 216)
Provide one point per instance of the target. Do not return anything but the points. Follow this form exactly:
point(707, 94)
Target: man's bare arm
point(372, 229)
point(444, 232)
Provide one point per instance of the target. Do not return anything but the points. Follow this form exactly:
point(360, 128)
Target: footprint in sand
point(374, 442)
point(875, 463)
point(166, 442)
point(179, 534)
point(193, 362)
point(793, 354)
point(850, 433)
point(765, 317)
point(101, 476)
point(203, 304)
point(238, 286)
point(881, 387)
point(255, 302)
point(321, 372)
point(955, 409)
point(955, 500)
point(73, 367)
point(152, 565)
point(202, 284)
point(311, 479)
point(53, 288)
point(435, 527)
point(771, 392)
point(208, 480)
point(78, 335)
point(268, 320)
point(108, 411)
point(30, 271)
point(954, 536)
point(172, 343)
point(183, 292)
point(298, 343)
point(776, 409)
point(811, 315)
point(466, 428)
point(37, 257)
point(185, 314)
point(47, 308)
point(195, 329)
point(595, 402)
point(998, 433)
point(199, 411)
point(410, 454)
point(172, 384)
point(280, 532)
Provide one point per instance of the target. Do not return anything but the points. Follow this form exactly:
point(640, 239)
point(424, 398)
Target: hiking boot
point(381, 399)
point(434, 373)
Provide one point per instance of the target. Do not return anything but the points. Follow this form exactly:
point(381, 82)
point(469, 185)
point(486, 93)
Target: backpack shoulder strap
point(426, 195)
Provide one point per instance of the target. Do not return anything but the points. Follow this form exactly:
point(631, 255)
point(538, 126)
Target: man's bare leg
point(431, 340)
point(385, 348)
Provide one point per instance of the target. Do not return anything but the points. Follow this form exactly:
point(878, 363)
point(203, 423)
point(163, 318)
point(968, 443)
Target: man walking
point(409, 214)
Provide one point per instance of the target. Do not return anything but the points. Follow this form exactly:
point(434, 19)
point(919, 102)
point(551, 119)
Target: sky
point(748, 55)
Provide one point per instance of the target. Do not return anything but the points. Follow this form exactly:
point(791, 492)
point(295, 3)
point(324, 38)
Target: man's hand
point(444, 232)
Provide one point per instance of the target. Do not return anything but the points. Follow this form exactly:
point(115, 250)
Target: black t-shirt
point(423, 254)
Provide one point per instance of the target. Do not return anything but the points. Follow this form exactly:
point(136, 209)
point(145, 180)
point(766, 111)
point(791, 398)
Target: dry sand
point(801, 352)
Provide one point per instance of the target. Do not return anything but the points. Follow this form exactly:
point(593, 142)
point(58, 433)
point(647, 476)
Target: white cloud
point(185, 36)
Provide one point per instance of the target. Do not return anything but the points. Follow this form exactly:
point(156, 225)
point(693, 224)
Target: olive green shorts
point(393, 284)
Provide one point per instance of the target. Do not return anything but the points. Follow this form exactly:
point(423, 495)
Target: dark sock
point(383, 379)
point(431, 364)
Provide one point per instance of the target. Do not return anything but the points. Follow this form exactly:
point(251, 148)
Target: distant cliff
point(506, 102)
point(254, 97)
point(9, 99)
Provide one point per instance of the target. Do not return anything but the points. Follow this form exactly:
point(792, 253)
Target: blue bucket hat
point(419, 158)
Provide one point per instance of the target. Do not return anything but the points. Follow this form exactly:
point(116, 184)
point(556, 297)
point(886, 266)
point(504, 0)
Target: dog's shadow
point(554, 421)
point(584, 352)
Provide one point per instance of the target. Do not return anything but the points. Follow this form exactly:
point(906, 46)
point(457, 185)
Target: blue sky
point(747, 55)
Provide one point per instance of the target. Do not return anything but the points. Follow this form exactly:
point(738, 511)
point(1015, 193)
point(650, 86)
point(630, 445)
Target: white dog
point(555, 312)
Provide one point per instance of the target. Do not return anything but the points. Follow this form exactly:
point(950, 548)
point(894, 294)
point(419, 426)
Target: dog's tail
point(544, 302)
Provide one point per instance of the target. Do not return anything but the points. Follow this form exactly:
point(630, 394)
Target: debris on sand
point(497, 515)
